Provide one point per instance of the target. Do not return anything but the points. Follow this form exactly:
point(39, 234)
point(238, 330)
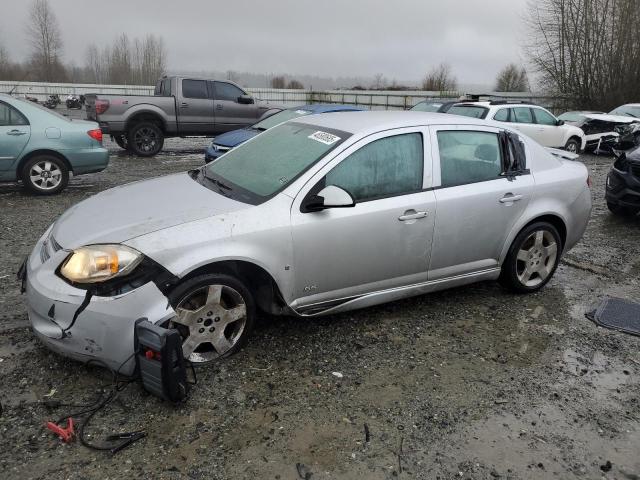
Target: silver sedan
point(316, 216)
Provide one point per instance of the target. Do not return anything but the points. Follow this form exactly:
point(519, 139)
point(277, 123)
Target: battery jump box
point(159, 361)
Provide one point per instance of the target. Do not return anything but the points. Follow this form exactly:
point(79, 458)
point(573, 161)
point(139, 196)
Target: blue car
point(42, 148)
point(225, 142)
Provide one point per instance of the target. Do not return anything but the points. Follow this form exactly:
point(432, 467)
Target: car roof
point(326, 107)
point(375, 121)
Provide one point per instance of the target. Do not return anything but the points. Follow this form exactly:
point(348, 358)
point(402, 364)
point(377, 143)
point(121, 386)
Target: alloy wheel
point(536, 258)
point(211, 320)
point(45, 175)
point(146, 139)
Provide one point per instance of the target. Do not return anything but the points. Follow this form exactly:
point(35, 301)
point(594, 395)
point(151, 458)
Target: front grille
point(44, 252)
point(49, 247)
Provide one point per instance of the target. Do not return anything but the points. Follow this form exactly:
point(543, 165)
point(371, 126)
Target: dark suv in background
point(623, 184)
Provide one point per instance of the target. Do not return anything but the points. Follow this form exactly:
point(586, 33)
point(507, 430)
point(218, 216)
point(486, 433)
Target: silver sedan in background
point(318, 215)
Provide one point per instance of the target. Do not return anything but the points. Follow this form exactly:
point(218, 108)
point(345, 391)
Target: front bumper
point(104, 330)
point(623, 188)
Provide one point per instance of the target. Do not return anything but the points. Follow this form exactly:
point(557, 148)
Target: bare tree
point(378, 81)
point(278, 82)
point(43, 33)
point(512, 79)
point(587, 50)
point(295, 85)
point(440, 79)
point(120, 71)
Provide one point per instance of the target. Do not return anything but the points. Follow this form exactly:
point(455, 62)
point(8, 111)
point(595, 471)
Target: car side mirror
point(246, 99)
point(329, 197)
point(559, 123)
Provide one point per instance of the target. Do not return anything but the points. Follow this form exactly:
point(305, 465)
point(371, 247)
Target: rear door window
point(468, 157)
point(9, 116)
point(194, 89)
point(502, 115)
point(521, 115)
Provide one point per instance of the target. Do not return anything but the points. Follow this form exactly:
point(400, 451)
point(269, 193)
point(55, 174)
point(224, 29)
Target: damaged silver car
point(319, 215)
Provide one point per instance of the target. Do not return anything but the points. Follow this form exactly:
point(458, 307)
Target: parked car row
point(574, 131)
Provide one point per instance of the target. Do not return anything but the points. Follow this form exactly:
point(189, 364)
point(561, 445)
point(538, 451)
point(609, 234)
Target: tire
point(45, 175)
point(145, 139)
point(622, 211)
point(122, 141)
point(203, 305)
point(572, 146)
point(532, 258)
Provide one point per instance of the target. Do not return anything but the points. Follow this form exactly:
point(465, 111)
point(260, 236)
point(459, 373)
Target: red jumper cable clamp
point(65, 434)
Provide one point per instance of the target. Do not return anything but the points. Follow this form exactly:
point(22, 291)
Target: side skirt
point(392, 294)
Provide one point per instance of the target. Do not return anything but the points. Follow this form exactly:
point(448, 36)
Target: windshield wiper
point(216, 181)
point(260, 129)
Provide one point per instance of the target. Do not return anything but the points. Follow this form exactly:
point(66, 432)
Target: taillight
point(101, 106)
point(95, 134)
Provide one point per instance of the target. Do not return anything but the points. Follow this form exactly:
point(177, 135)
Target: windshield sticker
point(324, 137)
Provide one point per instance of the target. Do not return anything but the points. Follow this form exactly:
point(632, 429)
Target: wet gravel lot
point(468, 383)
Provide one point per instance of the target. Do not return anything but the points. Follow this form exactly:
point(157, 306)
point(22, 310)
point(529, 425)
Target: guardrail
point(372, 99)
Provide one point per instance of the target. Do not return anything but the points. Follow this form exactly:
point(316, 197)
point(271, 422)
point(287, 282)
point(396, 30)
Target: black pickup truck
point(179, 107)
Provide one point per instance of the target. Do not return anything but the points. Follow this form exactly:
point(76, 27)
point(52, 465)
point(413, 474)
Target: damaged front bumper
point(104, 330)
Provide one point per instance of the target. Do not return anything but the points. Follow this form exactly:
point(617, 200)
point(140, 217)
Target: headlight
point(99, 263)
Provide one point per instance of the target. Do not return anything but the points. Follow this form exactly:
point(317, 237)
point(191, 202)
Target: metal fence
point(374, 100)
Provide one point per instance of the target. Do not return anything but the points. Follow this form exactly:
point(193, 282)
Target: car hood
point(235, 137)
point(138, 208)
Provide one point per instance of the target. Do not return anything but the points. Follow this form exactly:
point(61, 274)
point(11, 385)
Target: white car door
point(551, 134)
point(476, 203)
point(384, 241)
point(523, 121)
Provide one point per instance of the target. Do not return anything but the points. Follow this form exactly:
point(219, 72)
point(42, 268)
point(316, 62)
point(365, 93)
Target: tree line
point(137, 61)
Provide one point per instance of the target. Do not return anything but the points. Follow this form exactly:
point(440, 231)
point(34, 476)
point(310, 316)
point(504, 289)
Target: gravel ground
point(468, 383)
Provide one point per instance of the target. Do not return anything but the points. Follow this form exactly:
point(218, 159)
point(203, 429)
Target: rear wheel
point(532, 258)
point(572, 146)
point(45, 175)
point(214, 315)
point(622, 210)
point(145, 139)
point(122, 141)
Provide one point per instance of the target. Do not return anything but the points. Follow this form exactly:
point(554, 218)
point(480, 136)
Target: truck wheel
point(45, 175)
point(145, 139)
point(122, 141)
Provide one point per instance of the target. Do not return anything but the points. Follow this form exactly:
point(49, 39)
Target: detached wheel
point(145, 139)
point(621, 210)
point(532, 258)
point(215, 314)
point(122, 141)
point(45, 175)
point(572, 146)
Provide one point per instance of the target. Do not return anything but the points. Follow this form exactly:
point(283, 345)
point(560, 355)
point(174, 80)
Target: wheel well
point(35, 153)
point(261, 284)
point(145, 117)
point(577, 139)
point(554, 220)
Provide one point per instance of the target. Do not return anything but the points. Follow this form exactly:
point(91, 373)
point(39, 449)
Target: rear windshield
point(27, 104)
point(260, 168)
point(427, 107)
point(472, 111)
point(280, 117)
point(627, 110)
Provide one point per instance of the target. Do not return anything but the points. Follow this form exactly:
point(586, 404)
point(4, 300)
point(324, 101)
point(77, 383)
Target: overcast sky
point(400, 38)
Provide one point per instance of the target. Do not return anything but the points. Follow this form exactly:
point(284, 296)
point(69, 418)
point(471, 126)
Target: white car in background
point(532, 120)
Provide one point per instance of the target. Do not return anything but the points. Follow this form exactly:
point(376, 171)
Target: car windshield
point(260, 168)
point(469, 111)
point(627, 110)
point(280, 117)
point(427, 107)
point(572, 117)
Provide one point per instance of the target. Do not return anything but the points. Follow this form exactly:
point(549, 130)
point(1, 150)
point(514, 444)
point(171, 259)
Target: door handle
point(412, 216)
point(218, 107)
point(510, 198)
point(16, 133)
point(184, 105)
